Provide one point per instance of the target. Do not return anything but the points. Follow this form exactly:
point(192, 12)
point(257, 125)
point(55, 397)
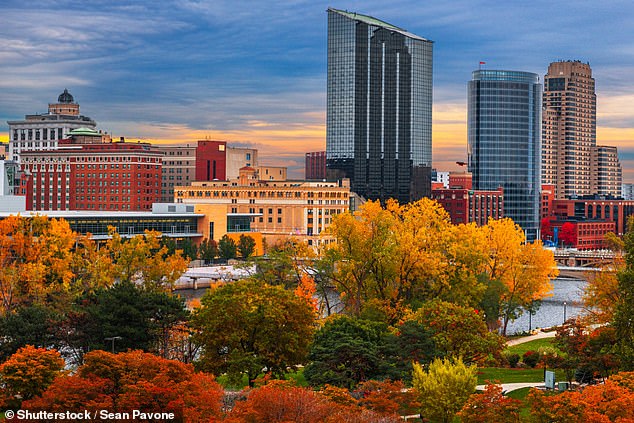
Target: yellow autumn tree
point(144, 260)
point(525, 269)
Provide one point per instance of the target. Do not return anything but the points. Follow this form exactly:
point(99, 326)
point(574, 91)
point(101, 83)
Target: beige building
point(607, 178)
point(179, 168)
point(276, 209)
point(237, 158)
point(571, 160)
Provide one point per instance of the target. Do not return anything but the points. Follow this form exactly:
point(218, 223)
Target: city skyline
point(254, 74)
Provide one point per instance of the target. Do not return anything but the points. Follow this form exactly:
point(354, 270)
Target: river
point(551, 312)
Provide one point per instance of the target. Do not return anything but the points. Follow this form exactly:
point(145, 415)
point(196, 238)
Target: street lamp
point(114, 338)
point(565, 304)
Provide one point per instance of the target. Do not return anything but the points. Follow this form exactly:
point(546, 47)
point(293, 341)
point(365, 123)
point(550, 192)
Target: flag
point(483, 63)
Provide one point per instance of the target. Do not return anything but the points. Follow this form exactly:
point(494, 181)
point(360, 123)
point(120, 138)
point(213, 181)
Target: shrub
point(530, 358)
point(512, 359)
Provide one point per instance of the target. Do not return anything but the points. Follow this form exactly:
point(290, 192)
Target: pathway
point(508, 387)
point(538, 335)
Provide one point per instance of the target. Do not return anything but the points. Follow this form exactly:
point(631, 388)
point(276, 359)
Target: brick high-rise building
point(88, 172)
point(315, 167)
point(571, 160)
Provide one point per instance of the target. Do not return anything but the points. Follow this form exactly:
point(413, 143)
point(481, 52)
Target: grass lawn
point(506, 375)
point(531, 345)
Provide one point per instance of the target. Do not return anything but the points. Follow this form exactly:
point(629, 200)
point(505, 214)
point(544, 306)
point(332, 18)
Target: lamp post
point(113, 338)
point(565, 304)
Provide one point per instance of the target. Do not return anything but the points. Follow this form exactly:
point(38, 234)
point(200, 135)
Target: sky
point(254, 72)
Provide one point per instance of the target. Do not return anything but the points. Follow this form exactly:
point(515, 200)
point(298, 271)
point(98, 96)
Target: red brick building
point(609, 210)
point(315, 165)
point(87, 172)
point(465, 205)
point(211, 161)
point(587, 234)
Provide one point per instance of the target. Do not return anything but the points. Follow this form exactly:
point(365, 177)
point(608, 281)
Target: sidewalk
point(508, 387)
point(538, 335)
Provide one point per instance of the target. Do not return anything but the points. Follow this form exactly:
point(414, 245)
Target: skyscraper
point(572, 161)
point(504, 125)
point(379, 107)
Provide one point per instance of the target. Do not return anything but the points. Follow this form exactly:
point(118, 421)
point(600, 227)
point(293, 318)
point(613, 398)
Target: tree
point(444, 388)
point(208, 250)
point(349, 350)
point(144, 260)
point(246, 327)
point(27, 373)
point(490, 406)
point(387, 397)
point(35, 257)
point(227, 248)
point(568, 234)
point(134, 381)
point(525, 269)
point(459, 331)
point(27, 325)
point(246, 246)
point(546, 229)
point(141, 319)
point(189, 249)
point(624, 310)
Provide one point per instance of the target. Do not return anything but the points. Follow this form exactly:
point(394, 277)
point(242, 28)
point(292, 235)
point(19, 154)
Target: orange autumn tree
point(27, 373)
point(609, 402)
point(134, 381)
point(490, 406)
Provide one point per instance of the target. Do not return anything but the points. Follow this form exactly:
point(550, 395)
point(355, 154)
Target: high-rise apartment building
point(571, 160)
point(379, 107)
point(504, 132)
point(43, 131)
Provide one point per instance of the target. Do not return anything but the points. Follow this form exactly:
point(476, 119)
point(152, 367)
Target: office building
point(504, 134)
point(42, 132)
point(465, 205)
point(571, 160)
point(379, 105)
point(276, 209)
point(627, 191)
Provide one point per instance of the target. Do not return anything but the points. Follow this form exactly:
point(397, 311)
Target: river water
point(551, 312)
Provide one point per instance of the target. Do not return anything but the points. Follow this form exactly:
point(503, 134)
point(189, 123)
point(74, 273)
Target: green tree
point(459, 331)
point(208, 250)
point(246, 327)
point(27, 325)
point(443, 388)
point(227, 248)
point(190, 250)
point(140, 318)
point(624, 310)
point(350, 350)
point(246, 246)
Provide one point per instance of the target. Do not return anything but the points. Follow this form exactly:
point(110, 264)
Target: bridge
point(204, 277)
point(571, 257)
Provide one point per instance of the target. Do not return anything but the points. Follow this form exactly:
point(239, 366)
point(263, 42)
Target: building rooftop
point(375, 22)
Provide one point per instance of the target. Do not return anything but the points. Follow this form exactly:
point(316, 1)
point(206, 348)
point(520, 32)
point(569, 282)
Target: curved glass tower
point(504, 125)
point(378, 125)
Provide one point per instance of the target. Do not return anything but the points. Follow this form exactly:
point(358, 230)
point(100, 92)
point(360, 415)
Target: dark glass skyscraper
point(504, 124)
point(379, 107)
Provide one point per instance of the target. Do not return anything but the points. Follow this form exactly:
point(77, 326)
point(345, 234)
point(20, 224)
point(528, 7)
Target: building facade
point(42, 132)
point(276, 209)
point(504, 134)
point(379, 105)
point(465, 205)
point(627, 191)
point(85, 174)
point(239, 157)
point(315, 166)
point(571, 160)
point(595, 209)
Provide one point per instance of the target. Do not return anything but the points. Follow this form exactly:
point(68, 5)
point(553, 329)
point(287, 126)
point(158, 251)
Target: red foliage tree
point(568, 234)
point(134, 381)
point(490, 406)
point(546, 229)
